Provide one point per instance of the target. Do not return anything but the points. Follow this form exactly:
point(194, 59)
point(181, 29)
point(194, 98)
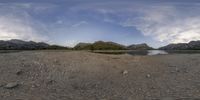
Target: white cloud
point(16, 23)
point(170, 22)
point(79, 24)
point(13, 27)
point(167, 24)
point(71, 43)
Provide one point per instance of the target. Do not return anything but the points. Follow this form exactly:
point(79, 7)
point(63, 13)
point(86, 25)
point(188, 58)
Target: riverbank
point(81, 75)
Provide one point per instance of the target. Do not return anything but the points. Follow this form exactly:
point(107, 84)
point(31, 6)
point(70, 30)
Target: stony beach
point(81, 75)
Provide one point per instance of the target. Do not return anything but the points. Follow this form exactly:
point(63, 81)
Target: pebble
point(177, 70)
point(1, 85)
point(167, 98)
point(172, 66)
point(148, 76)
point(49, 82)
point(19, 72)
point(125, 72)
point(11, 85)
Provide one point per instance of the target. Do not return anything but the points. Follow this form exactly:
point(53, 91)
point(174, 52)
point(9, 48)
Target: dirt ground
point(79, 75)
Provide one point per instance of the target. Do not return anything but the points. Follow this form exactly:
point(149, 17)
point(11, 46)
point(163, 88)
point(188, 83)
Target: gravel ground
point(79, 75)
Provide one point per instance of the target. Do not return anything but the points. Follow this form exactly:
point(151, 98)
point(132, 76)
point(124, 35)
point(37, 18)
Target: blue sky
point(68, 22)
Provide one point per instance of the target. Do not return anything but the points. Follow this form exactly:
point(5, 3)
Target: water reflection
point(157, 52)
point(10, 51)
point(147, 52)
point(151, 52)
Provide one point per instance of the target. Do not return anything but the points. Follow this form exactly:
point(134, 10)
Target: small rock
point(1, 85)
point(172, 66)
point(50, 82)
point(19, 72)
point(125, 72)
point(148, 76)
point(167, 98)
point(153, 87)
point(11, 85)
point(177, 70)
point(172, 71)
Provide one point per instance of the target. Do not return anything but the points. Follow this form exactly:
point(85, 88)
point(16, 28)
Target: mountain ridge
point(192, 45)
point(15, 44)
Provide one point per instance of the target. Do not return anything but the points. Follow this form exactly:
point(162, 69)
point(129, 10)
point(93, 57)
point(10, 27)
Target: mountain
point(83, 46)
point(101, 45)
point(15, 44)
point(193, 45)
point(142, 46)
point(57, 47)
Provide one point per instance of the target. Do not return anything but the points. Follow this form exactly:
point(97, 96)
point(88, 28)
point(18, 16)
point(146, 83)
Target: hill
point(15, 44)
point(101, 45)
point(142, 46)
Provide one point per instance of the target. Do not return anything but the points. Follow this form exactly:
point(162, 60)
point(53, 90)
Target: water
point(151, 52)
point(9, 51)
point(157, 52)
point(148, 52)
point(132, 52)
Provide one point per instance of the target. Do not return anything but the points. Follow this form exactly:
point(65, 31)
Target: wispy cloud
point(79, 24)
point(167, 24)
point(170, 22)
point(12, 27)
point(17, 23)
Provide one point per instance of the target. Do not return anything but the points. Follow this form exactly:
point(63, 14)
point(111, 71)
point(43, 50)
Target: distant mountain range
point(15, 44)
point(193, 45)
point(101, 45)
point(142, 46)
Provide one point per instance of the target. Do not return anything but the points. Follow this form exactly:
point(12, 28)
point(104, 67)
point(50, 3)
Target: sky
point(68, 22)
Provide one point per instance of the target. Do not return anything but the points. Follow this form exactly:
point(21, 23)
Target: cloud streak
point(16, 23)
point(168, 24)
point(12, 27)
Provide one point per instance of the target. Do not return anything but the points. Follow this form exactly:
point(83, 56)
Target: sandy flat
point(80, 75)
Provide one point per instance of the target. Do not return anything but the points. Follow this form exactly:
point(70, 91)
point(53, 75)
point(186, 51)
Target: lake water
point(9, 51)
point(151, 52)
point(131, 52)
point(148, 52)
point(157, 52)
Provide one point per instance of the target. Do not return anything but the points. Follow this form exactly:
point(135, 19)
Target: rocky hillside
point(142, 46)
point(193, 45)
point(101, 45)
point(26, 45)
point(15, 44)
point(83, 46)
